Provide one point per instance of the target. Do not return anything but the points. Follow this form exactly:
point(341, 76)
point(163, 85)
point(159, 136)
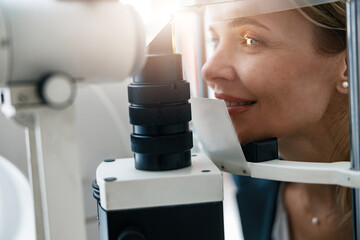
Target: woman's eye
point(214, 42)
point(250, 41)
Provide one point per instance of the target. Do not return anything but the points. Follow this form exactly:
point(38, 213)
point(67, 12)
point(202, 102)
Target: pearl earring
point(315, 220)
point(345, 84)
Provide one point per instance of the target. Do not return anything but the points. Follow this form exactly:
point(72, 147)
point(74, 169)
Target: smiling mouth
point(234, 101)
point(236, 104)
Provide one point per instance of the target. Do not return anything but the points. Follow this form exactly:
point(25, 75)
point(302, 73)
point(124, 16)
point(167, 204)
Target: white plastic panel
point(285, 2)
point(229, 9)
point(138, 189)
point(216, 133)
point(246, 8)
point(337, 173)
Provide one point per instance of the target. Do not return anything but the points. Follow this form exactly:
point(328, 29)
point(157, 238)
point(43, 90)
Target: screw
point(23, 97)
point(110, 179)
point(348, 179)
point(222, 167)
point(244, 171)
point(109, 160)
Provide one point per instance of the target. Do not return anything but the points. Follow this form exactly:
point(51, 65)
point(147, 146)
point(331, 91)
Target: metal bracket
point(18, 99)
point(216, 133)
point(19, 96)
point(52, 160)
point(56, 91)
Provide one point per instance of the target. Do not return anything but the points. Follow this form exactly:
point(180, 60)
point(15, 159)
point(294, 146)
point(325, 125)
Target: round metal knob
point(58, 90)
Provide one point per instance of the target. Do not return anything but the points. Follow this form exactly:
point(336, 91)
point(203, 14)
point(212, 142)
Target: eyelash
point(246, 41)
point(250, 41)
point(214, 42)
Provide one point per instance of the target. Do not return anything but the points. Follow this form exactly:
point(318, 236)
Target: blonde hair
point(329, 32)
point(329, 26)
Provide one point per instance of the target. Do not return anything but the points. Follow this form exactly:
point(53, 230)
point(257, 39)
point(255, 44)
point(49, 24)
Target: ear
point(342, 75)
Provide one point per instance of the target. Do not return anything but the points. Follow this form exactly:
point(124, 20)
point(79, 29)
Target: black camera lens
point(160, 114)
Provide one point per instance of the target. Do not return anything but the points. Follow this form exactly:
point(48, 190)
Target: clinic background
point(103, 127)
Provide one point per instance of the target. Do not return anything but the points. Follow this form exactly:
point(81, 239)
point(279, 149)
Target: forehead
point(285, 21)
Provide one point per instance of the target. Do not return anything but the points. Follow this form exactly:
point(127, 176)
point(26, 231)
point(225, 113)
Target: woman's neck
point(325, 141)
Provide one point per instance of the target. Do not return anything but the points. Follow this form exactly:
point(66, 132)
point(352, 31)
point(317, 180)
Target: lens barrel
point(160, 114)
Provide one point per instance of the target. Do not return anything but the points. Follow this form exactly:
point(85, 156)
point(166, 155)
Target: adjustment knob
point(57, 90)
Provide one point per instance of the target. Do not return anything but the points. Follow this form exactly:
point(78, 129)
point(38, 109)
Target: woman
point(284, 75)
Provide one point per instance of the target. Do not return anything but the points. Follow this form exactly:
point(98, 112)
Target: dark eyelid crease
point(214, 36)
point(212, 31)
point(237, 22)
point(253, 37)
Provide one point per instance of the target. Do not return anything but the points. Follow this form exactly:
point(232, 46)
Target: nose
point(220, 67)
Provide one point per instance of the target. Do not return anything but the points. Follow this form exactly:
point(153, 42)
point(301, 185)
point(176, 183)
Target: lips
point(236, 105)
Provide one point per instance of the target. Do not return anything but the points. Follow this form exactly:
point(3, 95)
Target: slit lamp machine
point(50, 48)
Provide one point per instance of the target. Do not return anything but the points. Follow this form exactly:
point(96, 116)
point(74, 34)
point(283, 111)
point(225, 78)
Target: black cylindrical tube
point(160, 113)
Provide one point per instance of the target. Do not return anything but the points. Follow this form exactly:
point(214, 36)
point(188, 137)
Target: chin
point(246, 133)
point(244, 140)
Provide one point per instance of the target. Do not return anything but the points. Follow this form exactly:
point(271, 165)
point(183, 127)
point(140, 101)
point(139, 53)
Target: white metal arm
point(54, 173)
point(216, 133)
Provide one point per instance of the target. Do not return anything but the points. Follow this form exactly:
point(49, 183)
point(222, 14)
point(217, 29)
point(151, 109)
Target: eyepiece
point(160, 113)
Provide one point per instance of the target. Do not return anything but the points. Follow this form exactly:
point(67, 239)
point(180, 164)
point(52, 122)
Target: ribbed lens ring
point(165, 161)
point(160, 130)
point(160, 115)
point(154, 94)
point(165, 114)
point(164, 144)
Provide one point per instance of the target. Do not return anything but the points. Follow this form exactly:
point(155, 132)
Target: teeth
point(234, 104)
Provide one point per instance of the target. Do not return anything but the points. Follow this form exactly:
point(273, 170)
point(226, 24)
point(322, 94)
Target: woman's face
point(267, 70)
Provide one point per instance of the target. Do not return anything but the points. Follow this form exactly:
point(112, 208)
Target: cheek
point(292, 92)
point(292, 74)
point(262, 78)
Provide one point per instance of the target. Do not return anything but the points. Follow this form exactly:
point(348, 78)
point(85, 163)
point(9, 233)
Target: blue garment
point(257, 202)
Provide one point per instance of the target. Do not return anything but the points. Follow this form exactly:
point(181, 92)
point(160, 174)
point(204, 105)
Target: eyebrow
point(246, 21)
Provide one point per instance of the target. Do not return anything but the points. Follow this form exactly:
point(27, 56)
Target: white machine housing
point(124, 187)
point(69, 37)
point(176, 204)
point(46, 49)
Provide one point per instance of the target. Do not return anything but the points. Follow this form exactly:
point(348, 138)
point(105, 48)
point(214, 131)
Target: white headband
point(224, 10)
